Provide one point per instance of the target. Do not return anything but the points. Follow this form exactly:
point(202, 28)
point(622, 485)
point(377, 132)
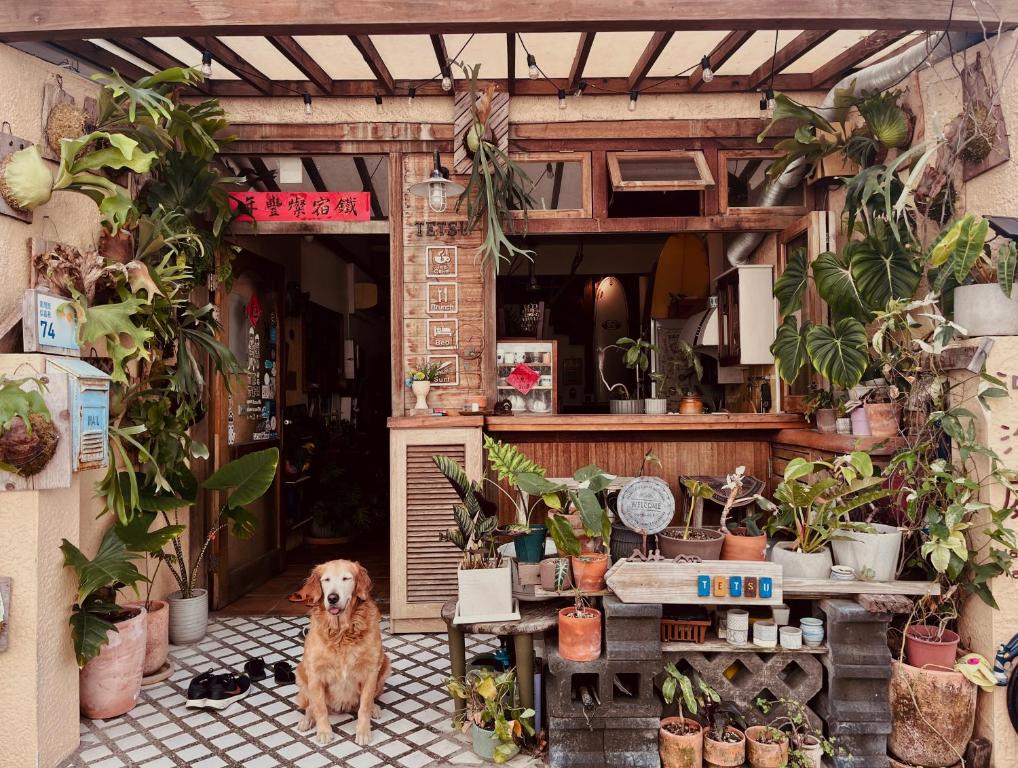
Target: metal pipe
point(872, 79)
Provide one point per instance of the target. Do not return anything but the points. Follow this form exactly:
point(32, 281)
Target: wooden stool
point(535, 618)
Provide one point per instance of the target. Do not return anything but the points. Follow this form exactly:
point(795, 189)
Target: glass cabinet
point(527, 375)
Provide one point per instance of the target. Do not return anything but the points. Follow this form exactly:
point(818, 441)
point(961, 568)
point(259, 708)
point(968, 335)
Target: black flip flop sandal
point(284, 673)
point(255, 669)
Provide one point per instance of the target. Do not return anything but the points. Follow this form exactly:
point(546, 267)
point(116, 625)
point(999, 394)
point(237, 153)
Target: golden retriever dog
point(344, 667)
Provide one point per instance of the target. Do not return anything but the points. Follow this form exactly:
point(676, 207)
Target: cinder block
point(864, 761)
point(632, 743)
point(847, 728)
point(637, 677)
point(852, 711)
point(623, 742)
point(616, 609)
point(631, 630)
point(839, 610)
point(843, 690)
point(574, 745)
point(864, 745)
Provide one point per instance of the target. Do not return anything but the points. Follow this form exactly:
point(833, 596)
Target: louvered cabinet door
point(423, 569)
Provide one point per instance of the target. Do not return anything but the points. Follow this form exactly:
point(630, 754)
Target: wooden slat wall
point(431, 564)
point(422, 569)
point(475, 351)
point(691, 453)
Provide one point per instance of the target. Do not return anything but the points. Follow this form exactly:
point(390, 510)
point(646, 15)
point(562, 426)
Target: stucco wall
point(992, 193)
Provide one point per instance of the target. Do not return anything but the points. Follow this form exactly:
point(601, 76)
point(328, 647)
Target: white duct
point(872, 79)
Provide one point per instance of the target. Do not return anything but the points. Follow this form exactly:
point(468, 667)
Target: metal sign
point(646, 504)
point(49, 324)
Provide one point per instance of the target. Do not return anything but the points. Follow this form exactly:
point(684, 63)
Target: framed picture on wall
point(450, 375)
point(443, 334)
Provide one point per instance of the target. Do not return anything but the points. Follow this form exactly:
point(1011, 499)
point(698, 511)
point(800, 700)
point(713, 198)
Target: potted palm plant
point(497, 724)
point(241, 482)
point(704, 543)
point(814, 511)
point(109, 640)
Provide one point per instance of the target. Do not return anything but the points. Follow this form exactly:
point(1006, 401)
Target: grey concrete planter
point(189, 617)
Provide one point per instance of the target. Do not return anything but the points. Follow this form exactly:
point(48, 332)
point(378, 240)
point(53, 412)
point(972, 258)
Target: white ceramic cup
point(765, 634)
point(737, 636)
point(738, 619)
point(791, 638)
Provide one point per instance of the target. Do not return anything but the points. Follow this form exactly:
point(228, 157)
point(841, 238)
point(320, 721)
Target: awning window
point(658, 171)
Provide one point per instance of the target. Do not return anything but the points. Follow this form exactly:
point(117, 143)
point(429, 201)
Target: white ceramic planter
point(797, 565)
point(421, 390)
point(485, 593)
point(780, 614)
point(765, 634)
point(873, 556)
point(984, 310)
point(655, 406)
point(189, 618)
point(790, 637)
point(626, 406)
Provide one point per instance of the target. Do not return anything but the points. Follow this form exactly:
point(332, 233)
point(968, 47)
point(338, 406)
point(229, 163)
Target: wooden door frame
point(221, 452)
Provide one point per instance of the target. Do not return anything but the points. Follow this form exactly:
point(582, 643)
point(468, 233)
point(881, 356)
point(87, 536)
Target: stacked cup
point(765, 634)
point(738, 627)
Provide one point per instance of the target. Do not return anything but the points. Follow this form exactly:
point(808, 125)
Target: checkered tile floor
point(260, 730)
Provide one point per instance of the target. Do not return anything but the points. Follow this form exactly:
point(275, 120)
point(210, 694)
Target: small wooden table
point(535, 618)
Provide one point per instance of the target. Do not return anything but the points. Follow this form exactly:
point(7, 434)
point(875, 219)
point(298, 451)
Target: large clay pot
point(935, 733)
point(189, 617)
point(690, 405)
point(884, 418)
point(739, 545)
point(579, 638)
point(724, 754)
point(157, 633)
point(927, 647)
point(589, 570)
point(765, 755)
point(672, 544)
point(799, 565)
point(873, 556)
point(110, 683)
point(547, 571)
point(685, 751)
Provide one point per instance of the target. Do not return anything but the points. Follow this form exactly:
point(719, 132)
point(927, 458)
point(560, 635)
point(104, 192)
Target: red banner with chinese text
point(301, 206)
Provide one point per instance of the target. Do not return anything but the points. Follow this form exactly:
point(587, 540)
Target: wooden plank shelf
point(824, 441)
point(648, 423)
point(548, 593)
point(714, 645)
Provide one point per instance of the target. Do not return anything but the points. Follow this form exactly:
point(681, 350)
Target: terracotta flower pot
point(739, 545)
point(691, 405)
point(928, 647)
point(157, 633)
point(826, 419)
point(884, 418)
point(579, 638)
point(110, 683)
point(708, 547)
point(725, 754)
point(589, 570)
point(685, 751)
point(763, 755)
point(547, 569)
point(936, 732)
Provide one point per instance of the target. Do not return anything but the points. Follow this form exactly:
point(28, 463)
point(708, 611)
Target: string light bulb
point(633, 96)
point(410, 95)
point(446, 79)
point(561, 98)
point(206, 63)
point(307, 103)
point(378, 102)
point(763, 106)
point(706, 71)
point(771, 102)
point(532, 69)
point(579, 88)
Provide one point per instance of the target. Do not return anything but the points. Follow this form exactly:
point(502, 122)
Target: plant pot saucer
point(488, 618)
point(158, 676)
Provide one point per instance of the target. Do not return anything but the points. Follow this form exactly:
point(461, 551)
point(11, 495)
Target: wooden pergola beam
point(149, 53)
point(802, 44)
point(722, 52)
point(264, 174)
point(840, 65)
point(510, 63)
point(374, 61)
point(100, 58)
point(301, 59)
point(650, 54)
point(523, 87)
point(50, 20)
point(311, 169)
point(441, 55)
point(580, 60)
point(230, 60)
point(368, 186)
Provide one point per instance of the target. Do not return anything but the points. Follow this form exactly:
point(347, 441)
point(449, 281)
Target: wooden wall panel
point(474, 354)
point(707, 453)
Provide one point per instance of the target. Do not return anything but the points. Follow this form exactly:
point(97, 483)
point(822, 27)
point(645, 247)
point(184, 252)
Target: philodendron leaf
point(788, 288)
point(112, 563)
point(836, 285)
point(138, 538)
point(789, 348)
point(839, 353)
point(1007, 256)
point(969, 247)
point(89, 633)
point(882, 271)
point(249, 476)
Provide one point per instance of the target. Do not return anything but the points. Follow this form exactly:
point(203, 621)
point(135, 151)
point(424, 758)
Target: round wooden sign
point(646, 504)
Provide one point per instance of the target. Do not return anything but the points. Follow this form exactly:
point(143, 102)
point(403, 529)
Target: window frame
point(619, 183)
point(724, 155)
point(583, 158)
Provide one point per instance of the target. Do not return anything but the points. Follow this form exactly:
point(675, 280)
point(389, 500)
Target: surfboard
point(611, 322)
point(683, 269)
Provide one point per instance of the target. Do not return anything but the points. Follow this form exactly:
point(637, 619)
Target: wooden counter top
point(643, 423)
point(433, 422)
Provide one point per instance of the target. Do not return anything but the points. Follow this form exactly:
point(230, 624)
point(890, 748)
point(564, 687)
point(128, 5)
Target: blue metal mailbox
point(88, 394)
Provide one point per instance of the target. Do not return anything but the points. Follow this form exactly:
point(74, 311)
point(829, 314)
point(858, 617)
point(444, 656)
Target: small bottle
point(231, 431)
